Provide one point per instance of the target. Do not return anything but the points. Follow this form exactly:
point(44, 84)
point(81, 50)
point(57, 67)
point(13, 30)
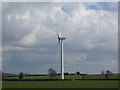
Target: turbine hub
point(61, 38)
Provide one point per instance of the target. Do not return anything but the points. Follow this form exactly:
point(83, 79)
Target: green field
point(113, 76)
point(61, 84)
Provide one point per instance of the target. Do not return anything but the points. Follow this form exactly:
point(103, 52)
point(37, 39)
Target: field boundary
point(53, 79)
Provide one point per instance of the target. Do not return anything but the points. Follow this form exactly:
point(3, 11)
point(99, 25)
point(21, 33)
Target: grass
point(61, 84)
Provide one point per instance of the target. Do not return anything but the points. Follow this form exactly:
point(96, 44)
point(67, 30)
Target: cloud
point(29, 36)
point(11, 48)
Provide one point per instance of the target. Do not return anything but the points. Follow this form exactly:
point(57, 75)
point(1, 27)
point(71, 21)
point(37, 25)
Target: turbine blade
point(58, 39)
point(58, 42)
point(60, 35)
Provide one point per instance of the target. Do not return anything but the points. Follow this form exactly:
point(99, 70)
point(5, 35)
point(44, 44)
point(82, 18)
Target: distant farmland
point(94, 76)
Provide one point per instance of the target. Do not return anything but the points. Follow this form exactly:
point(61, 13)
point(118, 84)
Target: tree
point(108, 73)
point(83, 76)
point(52, 73)
point(3, 75)
point(78, 73)
point(66, 73)
point(21, 75)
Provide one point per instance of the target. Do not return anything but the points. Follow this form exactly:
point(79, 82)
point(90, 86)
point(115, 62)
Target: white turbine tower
point(60, 41)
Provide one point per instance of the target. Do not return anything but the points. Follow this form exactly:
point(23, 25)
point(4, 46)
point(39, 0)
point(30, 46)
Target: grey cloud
point(29, 37)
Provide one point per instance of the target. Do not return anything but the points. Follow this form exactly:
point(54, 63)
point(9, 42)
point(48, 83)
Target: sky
point(29, 36)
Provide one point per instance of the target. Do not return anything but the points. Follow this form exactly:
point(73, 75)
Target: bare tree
point(108, 73)
point(52, 73)
point(83, 75)
point(77, 73)
point(66, 73)
point(21, 75)
point(3, 75)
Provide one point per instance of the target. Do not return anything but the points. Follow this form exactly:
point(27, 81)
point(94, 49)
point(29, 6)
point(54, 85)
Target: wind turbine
point(60, 41)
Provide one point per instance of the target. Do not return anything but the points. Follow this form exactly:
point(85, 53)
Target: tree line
point(52, 73)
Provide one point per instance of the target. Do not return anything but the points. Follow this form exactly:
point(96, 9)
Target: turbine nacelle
point(60, 37)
